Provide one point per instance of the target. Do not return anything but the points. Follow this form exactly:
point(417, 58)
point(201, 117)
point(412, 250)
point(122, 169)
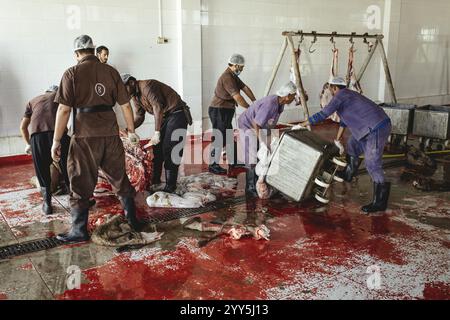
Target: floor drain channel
point(19, 249)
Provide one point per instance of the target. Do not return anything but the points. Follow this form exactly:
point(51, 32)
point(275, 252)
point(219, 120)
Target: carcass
point(352, 82)
point(138, 165)
point(264, 191)
point(116, 232)
point(326, 95)
point(193, 191)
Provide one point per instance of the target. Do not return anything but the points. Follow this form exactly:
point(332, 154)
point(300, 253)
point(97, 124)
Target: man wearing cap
point(255, 125)
point(102, 54)
point(172, 116)
point(223, 107)
point(370, 127)
point(40, 117)
point(90, 89)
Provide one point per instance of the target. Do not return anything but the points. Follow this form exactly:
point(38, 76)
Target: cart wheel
point(339, 163)
point(322, 184)
point(405, 139)
point(337, 179)
point(428, 143)
point(321, 199)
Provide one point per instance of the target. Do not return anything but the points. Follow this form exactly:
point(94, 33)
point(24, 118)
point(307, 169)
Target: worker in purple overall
point(370, 128)
point(255, 125)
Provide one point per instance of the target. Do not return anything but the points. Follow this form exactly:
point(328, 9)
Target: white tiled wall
point(423, 72)
point(254, 30)
point(36, 47)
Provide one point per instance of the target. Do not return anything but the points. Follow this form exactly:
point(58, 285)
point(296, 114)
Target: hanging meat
point(326, 95)
point(293, 78)
point(352, 81)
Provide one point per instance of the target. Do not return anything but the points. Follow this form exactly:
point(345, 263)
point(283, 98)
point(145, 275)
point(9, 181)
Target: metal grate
point(16, 250)
point(28, 247)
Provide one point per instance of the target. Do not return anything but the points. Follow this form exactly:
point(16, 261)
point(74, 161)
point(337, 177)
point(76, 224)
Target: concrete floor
point(315, 251)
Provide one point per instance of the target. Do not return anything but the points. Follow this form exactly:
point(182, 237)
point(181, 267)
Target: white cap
point(338, 81)
point(83, 42)
point(125, 77)
point(287, 89)
point(237, 59)
point(52, 88)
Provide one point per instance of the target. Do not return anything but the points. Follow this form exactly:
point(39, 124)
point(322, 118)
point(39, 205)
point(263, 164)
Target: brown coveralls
point(156, 97)
point(41, 111)
point(222, 110)
point(92, 88)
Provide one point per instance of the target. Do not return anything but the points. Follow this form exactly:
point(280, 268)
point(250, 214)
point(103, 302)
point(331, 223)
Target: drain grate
point(16, 250)
point(28, 247)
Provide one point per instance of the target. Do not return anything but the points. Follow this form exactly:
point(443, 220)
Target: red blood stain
point(436, 291)
point(3, 296)
point(26, 266)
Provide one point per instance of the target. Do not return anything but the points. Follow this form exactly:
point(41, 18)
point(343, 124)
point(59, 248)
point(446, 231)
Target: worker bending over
point(254, 129)
point(370, 127)
point(172, 116)
point(40, 117)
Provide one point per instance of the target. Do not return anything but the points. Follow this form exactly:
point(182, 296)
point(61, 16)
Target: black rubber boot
point(171, 180)
point(350, 169)
point(381, 193)
point(79, 232)
point(47, 205)
point(216, 169)
point(156, 175)
point(250, 183)
point(130, 213)
point(92, 202)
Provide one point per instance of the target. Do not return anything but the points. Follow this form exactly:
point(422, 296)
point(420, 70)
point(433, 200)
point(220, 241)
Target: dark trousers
point(172, 141)
point(86, 156)
point(221, 120)
point(41, 146)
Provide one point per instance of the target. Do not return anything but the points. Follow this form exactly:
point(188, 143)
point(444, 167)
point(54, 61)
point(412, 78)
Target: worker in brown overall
point(39, 123)
point(223, 107)
point(171, 113)
point(90, 89)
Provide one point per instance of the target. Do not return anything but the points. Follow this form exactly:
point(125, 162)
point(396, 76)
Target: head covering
point(338, 81)
point(287, 89)
point(83, 42)
point(126, 77)
point(52, 88)
point(237, 59)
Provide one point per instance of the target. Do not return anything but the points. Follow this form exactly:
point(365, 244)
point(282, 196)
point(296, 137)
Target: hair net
point(126, 77)
point(338, 81)
point(83, 42)
point(52, 88)
point(238, 59)
point(287, 89)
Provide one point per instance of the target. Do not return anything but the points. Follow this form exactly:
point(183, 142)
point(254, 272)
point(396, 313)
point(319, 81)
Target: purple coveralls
point(369, 124)
point(265, 113)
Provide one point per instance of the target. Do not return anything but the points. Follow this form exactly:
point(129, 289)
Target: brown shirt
point(154, 94)
point(228, 85)
point(42, 113)
point(91, 83)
